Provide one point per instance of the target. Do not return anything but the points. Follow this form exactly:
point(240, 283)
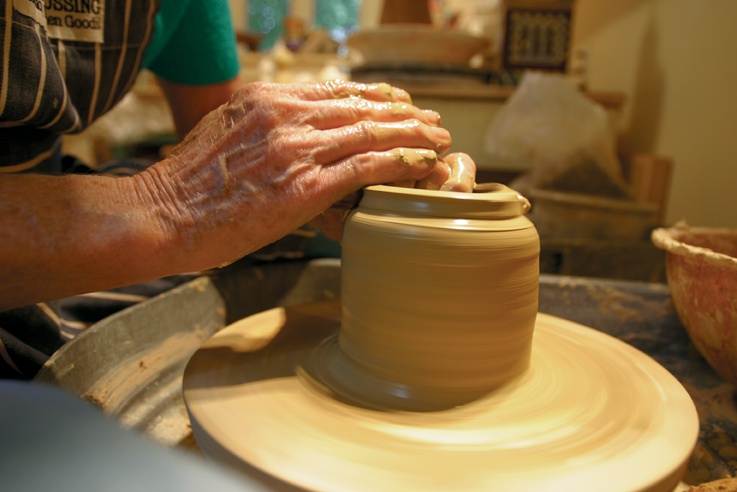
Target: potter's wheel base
point(592, 413)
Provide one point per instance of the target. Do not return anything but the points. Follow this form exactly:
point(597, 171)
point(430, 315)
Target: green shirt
point(193, 43)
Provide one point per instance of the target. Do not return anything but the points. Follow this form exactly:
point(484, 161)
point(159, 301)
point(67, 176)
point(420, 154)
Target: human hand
point(455, 172)
point(277, 155)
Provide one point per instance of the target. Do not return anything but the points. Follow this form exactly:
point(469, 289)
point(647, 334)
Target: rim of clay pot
point(593, 201)
point(668, 240)
point(489, 201)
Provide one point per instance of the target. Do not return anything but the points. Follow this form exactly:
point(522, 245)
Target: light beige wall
point(677, 62)
point(238, 10)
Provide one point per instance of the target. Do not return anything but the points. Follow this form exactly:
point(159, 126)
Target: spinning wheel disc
point(591, 413)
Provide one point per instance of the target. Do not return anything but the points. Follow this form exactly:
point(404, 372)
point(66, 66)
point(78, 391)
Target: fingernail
point(441, 134)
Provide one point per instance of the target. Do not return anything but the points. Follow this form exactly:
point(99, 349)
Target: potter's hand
point(277, 155)
point(455, 172)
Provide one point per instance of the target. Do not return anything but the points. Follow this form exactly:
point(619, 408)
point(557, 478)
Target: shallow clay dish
point(410, 43)
point(591, 413)
point(702, 275)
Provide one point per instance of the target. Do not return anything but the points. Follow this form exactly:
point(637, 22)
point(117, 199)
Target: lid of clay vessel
point(488, 201)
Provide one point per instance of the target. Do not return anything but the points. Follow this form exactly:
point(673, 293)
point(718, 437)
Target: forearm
point(190, 103)
point(256, 168)
point(61, 236)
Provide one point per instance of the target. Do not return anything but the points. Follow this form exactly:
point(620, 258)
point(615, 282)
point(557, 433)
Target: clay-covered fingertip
point(402, 95)
point(433, 117)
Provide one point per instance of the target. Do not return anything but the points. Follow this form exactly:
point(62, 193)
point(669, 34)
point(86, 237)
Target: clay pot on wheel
point(439, 295)
point(426, 374)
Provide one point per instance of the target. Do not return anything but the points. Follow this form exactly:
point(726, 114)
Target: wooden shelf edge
point(493, 92)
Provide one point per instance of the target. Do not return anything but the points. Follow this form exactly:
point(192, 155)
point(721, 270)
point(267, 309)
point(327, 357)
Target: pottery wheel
point(591, 413)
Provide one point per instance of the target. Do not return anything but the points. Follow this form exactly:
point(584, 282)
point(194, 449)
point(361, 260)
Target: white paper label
point(75, 20)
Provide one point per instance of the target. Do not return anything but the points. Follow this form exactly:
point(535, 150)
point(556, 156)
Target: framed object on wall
point(537, 34)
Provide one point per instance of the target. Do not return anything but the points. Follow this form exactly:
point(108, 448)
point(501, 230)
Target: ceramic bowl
point(410, 43)
point(702, 275)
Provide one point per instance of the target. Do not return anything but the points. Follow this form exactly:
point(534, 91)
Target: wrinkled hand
point(462, 176)
point(455, 172)
point(277, 155)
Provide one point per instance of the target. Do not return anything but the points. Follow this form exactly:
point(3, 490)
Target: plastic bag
point(562, 135)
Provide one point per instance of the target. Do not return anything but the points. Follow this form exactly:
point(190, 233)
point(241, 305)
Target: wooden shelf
point(492, 92)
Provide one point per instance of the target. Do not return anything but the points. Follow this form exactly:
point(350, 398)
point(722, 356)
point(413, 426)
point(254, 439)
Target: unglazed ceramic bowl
point(411, 43)
point(702, 274)
point(558, 214)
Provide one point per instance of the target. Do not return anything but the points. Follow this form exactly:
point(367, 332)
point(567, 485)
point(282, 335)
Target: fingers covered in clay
point(418, 164)
point(366, 136)
point(344, 112)
point(462, 173)
point(331, 221)
point(413, 164)
point(437, 177)
point(278, 155)
point(455, 172)
point(334, 89)
point(339, 89)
